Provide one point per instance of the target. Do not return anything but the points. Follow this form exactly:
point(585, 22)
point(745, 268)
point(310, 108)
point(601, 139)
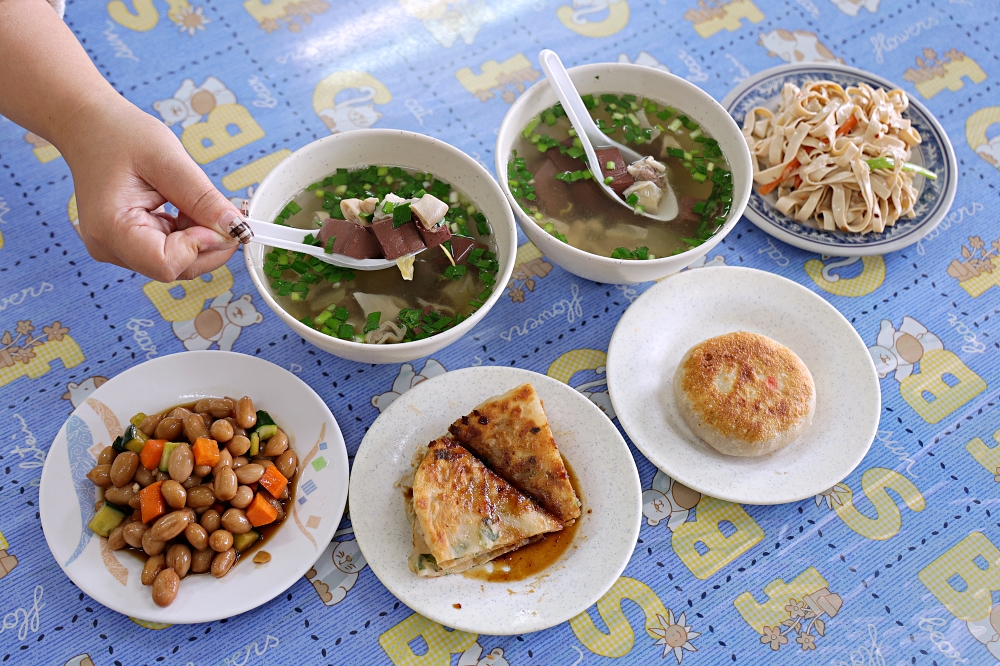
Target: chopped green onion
point(632, 199)
point(609, 165)
point(345, 332)
point(455, 272)
point(341, 314)
point(675, 125)
point(889, 163)
point(373, 321)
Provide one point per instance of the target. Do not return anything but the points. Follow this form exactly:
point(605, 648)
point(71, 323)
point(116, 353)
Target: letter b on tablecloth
point(718, 548)
point(964, 576)
point(930, 395)
point(441, 643)
point(190, 300)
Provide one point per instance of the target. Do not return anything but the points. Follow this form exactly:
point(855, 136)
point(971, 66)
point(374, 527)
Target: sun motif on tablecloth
point(675, 636)
point(836, 494)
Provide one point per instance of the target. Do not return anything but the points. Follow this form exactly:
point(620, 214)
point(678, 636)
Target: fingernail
point(239, 230)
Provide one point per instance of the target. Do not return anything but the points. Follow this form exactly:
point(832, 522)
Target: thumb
point(182, 182)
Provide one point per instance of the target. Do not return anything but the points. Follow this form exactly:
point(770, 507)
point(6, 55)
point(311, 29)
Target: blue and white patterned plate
point(934, 152)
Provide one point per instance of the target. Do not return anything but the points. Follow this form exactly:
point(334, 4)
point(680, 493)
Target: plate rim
point(88, 587)
point(860, 250)
point(431, 612)
point(645, 447)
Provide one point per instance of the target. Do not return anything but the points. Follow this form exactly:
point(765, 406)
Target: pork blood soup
point(548, 175)
point(385, 212)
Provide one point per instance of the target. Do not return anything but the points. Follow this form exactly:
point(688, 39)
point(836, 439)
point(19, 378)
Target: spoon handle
point(576, 110)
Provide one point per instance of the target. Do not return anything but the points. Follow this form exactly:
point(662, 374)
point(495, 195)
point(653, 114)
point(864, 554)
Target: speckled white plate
point(673, 316)
point(590, 443)
point(66, 496)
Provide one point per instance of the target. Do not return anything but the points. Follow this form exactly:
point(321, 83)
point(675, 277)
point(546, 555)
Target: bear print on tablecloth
point(336, 571)
point(667, 500)
point(77, 393)
point(219, 324)
point(854, 7)
point(405, 380)
point(474, 657)
point(191, 103)
point(987, 631)
point(898, 351)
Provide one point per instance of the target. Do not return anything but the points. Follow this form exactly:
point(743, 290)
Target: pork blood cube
point(435, 236)
point(352, 239)
point(461, 246)
point(621, 178)
point(398, 241)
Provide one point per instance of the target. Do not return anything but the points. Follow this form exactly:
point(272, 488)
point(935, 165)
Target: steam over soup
point(548, 176)
point(389, 212)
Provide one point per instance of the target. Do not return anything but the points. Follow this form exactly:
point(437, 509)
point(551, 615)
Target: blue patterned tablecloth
point(898, 564)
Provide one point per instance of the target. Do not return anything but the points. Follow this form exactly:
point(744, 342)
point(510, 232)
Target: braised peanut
point(165, 587)
point(191, 482)
point(246, 416)
point(100, 475)
point(116, 539)
point(223, 562)
point(194, 427)
point(237, 430)
point(239, 461)
point(201, 561)
point(250, 473)
point(107, 456)
point(168, 526)
point(277, 444)
point(121, 496)
point(226, 484)
point(201, 470)
point(220, 407)
point(238, 445)
point(225, 460)
point(169, 428)
point(221, 431)
point(202, 405)
point(179, 559)
point(181, 463)
point(154, 564)
point(123, 468)
point(148, 425)
point(200, 496)
point(220, 541)
point(211, 520)
point(196, 536)
point(236, 521)
point(286, 463)
point(174, 493)
point(144, 477)
point(180, 413)
point(133, 532)
point(242, 498)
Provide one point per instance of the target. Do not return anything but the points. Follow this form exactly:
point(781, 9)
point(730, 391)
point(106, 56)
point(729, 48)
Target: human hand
point(126, 164)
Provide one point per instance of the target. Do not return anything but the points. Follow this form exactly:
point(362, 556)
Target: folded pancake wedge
point(464, 515)
point(511, 434)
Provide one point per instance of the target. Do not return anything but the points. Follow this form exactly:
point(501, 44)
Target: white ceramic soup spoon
point(593, 139)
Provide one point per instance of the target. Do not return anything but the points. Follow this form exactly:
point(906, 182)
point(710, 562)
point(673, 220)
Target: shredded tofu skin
point(814, 152)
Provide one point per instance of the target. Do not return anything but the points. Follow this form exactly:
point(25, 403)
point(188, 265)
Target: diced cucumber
point(243, 541)
point(254, 444)
point(118, 445)
point(105, 520)
point(265, 433)
point(168, 448)
point(263, 419)
point(137, 419)
point(134, 438)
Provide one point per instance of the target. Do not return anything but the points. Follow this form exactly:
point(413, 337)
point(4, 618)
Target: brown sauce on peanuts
point(188, 512)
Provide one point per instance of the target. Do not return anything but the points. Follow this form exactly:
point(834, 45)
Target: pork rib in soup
point(548, 175)
point(383, 211)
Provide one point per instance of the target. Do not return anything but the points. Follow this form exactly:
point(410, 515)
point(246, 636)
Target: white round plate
point(590, 443)
point(66, 496)
point(676, 314)
point(935, 153)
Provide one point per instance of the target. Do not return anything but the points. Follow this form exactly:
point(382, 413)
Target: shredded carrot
point(151, 502)
point(789, 168)
point(206, 452)
point(260, 512)
point(151, 453)
point(848, 125)
point(273, 480)
point(798, 182)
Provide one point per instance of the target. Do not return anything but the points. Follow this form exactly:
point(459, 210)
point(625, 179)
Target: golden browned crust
point(746, 387)
point(465, 514)
point(511, 434)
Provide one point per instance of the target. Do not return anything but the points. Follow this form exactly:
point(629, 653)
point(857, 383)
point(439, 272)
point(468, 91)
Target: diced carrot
point(151, 453)
point(151, 502)
point(260, 512)
point(789, 168)
point(848, 125)
point(206, 452)
point(273, 480)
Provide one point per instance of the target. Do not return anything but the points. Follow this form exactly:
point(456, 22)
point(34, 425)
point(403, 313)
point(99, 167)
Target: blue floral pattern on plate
point(934, 153)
